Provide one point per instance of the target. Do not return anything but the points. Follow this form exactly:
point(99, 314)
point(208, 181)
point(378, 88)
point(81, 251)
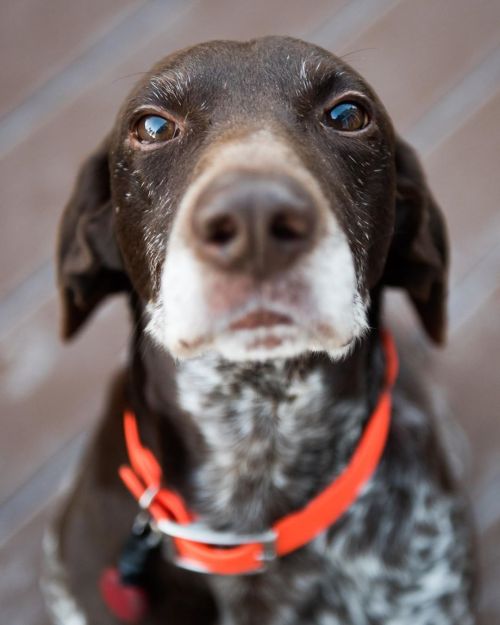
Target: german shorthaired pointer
point(253, 201)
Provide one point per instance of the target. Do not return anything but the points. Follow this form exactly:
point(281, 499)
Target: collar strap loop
point(198, 548)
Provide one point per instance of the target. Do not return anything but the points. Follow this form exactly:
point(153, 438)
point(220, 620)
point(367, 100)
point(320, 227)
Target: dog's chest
point(268, 434)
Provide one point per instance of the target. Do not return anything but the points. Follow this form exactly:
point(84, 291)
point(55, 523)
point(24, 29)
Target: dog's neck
point(257, 440)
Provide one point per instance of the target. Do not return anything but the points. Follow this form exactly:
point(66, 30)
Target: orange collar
point(201, 549)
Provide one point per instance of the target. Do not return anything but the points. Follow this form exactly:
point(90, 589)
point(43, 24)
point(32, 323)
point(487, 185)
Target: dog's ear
point(418, 256)
point(88, 261)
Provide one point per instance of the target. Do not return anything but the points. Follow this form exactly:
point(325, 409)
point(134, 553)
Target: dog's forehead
point(268, 68)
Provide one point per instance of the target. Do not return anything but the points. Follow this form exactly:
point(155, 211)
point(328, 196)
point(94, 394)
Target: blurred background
point(66, 67)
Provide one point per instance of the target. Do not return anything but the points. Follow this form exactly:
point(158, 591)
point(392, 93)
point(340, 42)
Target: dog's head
point(253, 195)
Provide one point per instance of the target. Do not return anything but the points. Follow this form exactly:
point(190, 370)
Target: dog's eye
point(155, 129)
point(347, 116)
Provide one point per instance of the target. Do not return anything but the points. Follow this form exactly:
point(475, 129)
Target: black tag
point(140, 545)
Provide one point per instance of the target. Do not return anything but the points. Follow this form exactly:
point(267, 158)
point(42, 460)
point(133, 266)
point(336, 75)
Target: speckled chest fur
point(276, 434)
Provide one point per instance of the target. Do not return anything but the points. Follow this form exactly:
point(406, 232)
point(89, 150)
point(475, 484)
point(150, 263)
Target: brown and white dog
point(253, 201)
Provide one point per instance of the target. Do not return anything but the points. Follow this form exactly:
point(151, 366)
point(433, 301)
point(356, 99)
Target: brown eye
point(347, 116)
point(155, 129)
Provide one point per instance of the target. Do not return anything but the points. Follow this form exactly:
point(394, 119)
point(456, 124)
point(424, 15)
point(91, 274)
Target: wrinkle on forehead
point(262, 68)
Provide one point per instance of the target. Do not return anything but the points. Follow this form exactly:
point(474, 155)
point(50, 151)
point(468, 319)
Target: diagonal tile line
point(37, 287)
point(453, 111)
point(352, 19)
point(122, 41)
point(33, 495)
point(97, 33)
point(478, 285)
point(458, 105)
point(54, 475)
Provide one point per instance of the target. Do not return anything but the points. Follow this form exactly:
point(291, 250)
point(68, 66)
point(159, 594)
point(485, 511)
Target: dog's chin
point(262, 344)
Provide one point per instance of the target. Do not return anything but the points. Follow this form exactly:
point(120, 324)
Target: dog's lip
point(261, 318)
point(251, 324)
point(280, 329)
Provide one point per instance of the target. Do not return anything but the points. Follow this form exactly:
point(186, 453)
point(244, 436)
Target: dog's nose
point(256, 223)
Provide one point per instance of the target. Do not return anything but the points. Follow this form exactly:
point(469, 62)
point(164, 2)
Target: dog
point(253, 201)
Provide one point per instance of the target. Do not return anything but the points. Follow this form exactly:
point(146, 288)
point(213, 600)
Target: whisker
point(128, 76)
point(344, 56)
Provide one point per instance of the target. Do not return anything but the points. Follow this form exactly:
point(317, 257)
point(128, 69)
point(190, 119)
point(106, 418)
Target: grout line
point(20, 507)
point(33, 291)
point(97, 33)
point(350, 20)
point(474, 289)
point(121, 42)
point(457, 106)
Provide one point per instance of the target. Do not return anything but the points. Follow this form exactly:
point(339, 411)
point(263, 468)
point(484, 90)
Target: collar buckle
point(199, 533)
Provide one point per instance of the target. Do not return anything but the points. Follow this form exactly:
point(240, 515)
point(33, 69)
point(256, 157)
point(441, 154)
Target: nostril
point(289, 227)
point(252, 222)
point(221, 230)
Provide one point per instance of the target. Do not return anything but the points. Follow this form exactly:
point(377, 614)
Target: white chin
point(261, 345)
point(264, 344)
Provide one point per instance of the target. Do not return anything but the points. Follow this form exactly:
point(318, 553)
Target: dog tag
point(128, 603)
point(134, 557)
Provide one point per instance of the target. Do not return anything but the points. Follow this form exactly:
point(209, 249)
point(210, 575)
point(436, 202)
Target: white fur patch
point(197, 303)
point(61, 605)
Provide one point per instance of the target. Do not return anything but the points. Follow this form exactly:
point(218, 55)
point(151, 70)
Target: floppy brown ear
point(418, 256)
point(88, 261)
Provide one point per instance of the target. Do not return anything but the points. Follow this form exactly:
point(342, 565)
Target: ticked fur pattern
point(275, 435)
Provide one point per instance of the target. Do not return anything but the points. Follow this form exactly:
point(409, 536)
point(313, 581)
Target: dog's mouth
point(259, 334)
point(262, 330)
point(261, 318)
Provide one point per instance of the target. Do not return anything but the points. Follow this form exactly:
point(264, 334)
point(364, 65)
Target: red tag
point(128, 603)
